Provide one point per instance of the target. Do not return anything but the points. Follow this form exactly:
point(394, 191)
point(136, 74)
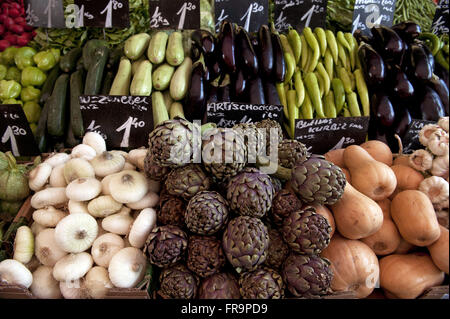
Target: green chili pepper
point(339, 94)
point(322, 37)
point(299, 87)
point(441, 60)
point(321, 84)
point(282, 96)
point(293, 110)
point(341, 39)
point(306, 108)
point(288, 58)
point(432, 41)
point(332, 44)
point(345, 78)
point(342, 56)
point(354, 48)
point(305, 52)
point(353, 106)
point(347, 113)
point(362, 91)
point(296, 44)
point(329, 106)
point(326, 79)
point(329, 64)
point(312, 86)
point(314, 44)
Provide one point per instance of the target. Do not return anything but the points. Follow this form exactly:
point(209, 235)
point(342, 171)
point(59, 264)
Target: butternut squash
point(408, 276)
point(372, 178)
point(325, 212)
point(385, 206)
point(404, 247)
point(413, 213)
point(356, 215)
point(379, 151)
point(386, 240)
point(336, 157)
point(439, 251)
point(402, 160)
point(407, 177)
point(354, 265)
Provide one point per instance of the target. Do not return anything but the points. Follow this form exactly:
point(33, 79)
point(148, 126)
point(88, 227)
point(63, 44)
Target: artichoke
point(283, 205)
point(250, 193)
point(224, 153)
point(271, 139)
point(205, 255)
point(172, 143)
point(166, 245)
point(219, 286)
point(187, 181)
point(207, 213)
point(307, 276)
point(254, 140)
point(278, 250)
point(171, 210)
point(245, 243)
point(291, 152)
point(306, 232)
point(277, 184)
point(317, 181)
point(264, 283)
point(177, 282)
point(154, 171)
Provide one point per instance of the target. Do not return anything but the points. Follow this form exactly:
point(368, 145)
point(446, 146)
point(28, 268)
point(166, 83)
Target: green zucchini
point(114, 57)
point(76, 90)
point(47, 88)
point(56, 123)
point(40, 135)
point(94, 76)
point(88, 52)
point(69, 61)
point(107, 83)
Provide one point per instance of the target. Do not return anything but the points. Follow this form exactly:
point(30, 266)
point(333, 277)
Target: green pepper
point(33, 76)
point(32, 111)
point(24, 57)
point(9, 89)
point(8, 55)
point(13, 74)
point(3, 71)
point(56, 54)
point(12, 101)
point(432, 41)
point(30, 93)
point(45, 60)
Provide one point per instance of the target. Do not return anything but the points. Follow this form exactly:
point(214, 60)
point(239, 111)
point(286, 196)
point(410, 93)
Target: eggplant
point(204, 40)
point(256, 91)
point(270, 93)
point(382, 109)
point(265, 52)
point(429, 55)
point(407, 30)
point(194, 106)
point(360, 37)
point(214, 68)
point(438, 85)
point(254, 40)
point(388, 42)
point(247, 57)
point(372, 64)
point(279, 64)
point(431, 106)
point(195, 53)
point(420, 66)
point(224, 93)
point(402, 88)
point(239, 87)
point(402, 121)
point(227, 47)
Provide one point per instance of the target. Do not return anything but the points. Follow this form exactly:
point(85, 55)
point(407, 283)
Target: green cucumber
point(76, 89)
point(94, 76)
point(69, 61)
point(47, 89)
point(56, 123)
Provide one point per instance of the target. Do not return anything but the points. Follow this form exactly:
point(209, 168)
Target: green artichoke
point(277, 184)
point(278, 250)
point(171, 210)
point(224, 153)
point(187, 181)
point(317, 181)
point(166, 245)
point(245, 243)
point(205, 255)
point(284, 203)
point(171, 143)
point(271, 139)
point(307, 276)
point(291, 152)
point(207, 213)
point(263, 283)
point(306, 232)
point(177, 282)
point(154, 171)
point(254, 140)
point(219, 286)
point(250, 193)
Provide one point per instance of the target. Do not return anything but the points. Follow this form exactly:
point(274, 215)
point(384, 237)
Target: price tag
point(123, 121)
point(15, 132)
point(440, 21)
point(250, 14)
point(45, 13)
point(174, 14)
point(411, 138)
point(98, 13)
point(372, 13)
point(323, 135)
point(299, 14)
point(228, 114)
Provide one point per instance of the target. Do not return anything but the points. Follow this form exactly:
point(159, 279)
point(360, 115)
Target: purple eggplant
point(214, 68)
point(419, 64)
point(402, 121)
point(270, 93)
point(195, 52)
point(401, 86)
point(360, 37)
point(382, 109)
point(279, 64)
point(266, 58)
point(239, 87)
point(247, 57)
point(388, 42)
point(431, 106)
point(227, 47)
point(429, 55)
point(204, 40)
point(407, 30)
point(256, 91)
point(373, 65)
point(224, 93)
point(194, 106)
point(441, 89)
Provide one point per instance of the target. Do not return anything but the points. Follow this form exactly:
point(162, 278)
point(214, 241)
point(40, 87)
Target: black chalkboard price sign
point(15, 132)
point(228, 114)
point(299, 14)
point(410, 140)
point(123, 121)
point(440, 21)
point(249, 14)
point(44, 13)
point(323, 135)
point(370, 13)
point(98, 13)
point(174, 14)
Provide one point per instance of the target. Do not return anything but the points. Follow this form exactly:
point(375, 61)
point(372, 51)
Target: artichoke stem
point(208, 126)
point(282, 173)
